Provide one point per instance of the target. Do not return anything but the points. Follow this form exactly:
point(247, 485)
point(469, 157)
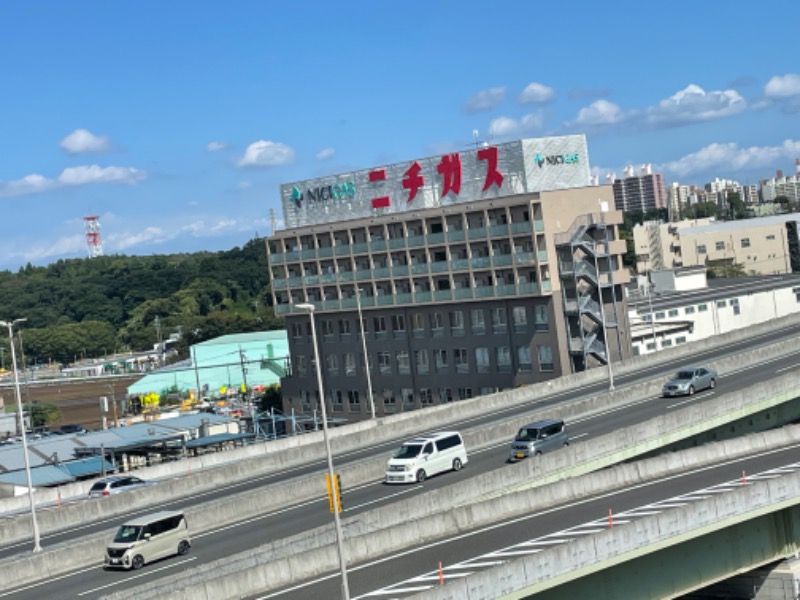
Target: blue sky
point(176, 122)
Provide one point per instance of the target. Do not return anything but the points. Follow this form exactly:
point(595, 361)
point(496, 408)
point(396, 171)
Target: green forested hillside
point(92, 307)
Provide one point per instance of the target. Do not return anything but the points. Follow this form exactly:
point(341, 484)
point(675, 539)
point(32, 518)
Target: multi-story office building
point(473, 272)
point(763, 246)
point(640, 192)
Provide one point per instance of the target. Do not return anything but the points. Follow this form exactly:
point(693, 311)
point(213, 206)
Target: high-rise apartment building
point(640, 192)
point(467, 273)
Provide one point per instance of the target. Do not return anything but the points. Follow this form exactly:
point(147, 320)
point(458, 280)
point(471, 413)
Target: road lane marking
point(49, 580)
point(139, 575)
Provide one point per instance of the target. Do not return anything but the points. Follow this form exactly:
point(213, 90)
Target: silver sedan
point(689, 380)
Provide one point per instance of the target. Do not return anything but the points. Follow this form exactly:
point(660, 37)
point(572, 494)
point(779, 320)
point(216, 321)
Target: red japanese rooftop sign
point(493, 171)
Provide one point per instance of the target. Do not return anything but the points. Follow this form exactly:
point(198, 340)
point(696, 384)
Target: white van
point(148, 538)
point(427, 455)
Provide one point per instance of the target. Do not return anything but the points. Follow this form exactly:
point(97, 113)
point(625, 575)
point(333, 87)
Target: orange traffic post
point(610, 519)
point(58, 497)
point(744, 478)
point(441, 574)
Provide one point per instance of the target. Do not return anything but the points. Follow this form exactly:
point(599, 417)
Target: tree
point(270, 399)
point(43, 414)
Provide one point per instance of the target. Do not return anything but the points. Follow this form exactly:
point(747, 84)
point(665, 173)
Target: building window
point(380, 327)
point(399, 326)
point(297, 330)
point(353, 402)
point(660, 315)
point(389, 403)
point(332, 360)
point(524, 357)
point(344, 327)
point(542, 318)
point(673, 312)
point(337, 400)
point(445, 395)
point(464, 393)
point(478, 320)
point(350, 364)
point(425, 396)
point(403, 367)
point(702, 307)
point(441, 360)
point(385, 363)
point(701, 249)
point(499, 323)
point(437, 324)
point(546, 358)
point(305, 400)
point(666, 343)
point(689, 310)
point(719, 246)
point(482, 360)
point(745, 242)
point(520, 317)
point(418, 324)
point(421, 361)
point(720, 303)
point(460, 358)
point(651, 346)
point(408, 398)
point(770, 237)
point(300, 365)
point(457, 323)
point(328, 332)
point(680, 340)
point(796, 292)
point(503, 358)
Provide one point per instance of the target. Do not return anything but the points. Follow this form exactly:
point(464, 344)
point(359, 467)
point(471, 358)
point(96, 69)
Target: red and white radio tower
point(93, 242)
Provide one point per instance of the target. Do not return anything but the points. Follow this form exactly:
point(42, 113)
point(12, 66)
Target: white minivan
point(148, 538)
point(427, 455)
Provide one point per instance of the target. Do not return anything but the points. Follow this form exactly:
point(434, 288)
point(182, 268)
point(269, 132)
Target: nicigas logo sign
point(337, 191)
point(556, 159)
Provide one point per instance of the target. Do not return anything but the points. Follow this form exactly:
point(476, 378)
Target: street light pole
point(364, 350)
point(309, 308)
point(652, 316)
point(10, 325)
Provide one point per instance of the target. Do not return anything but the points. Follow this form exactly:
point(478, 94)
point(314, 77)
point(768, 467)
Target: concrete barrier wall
point(295, 450)
point(259, 459)
point(369, 536)
point(569, 462)
point(545, 570)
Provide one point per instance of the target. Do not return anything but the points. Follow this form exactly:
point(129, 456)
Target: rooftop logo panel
point(491, 171)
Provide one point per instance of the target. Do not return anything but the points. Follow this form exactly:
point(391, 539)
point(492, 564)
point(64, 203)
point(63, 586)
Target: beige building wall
point(760, 250)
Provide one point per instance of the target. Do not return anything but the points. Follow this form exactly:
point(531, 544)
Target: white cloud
point(264, 153)
point(689, 105)
point(72, 176)
point(325, 154)
point(216, 146)
point(692, 105)
point(64, 246)
point(600, 112)
point(82, 141)
point(485, 100)
point(785, 86)
point(732, 158)
point(536, 93)
point(507, 127)
point(244, 185)
point(148, 235)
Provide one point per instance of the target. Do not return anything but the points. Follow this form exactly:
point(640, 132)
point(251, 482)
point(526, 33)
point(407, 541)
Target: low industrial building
point(681, 306)
point(762, 246)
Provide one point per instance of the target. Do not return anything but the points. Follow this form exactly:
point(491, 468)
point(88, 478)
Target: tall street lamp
point(364, 350)
point(309, 308)
point(10, 326)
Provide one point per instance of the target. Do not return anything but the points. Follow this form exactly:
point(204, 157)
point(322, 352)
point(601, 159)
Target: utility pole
point(244, 368)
